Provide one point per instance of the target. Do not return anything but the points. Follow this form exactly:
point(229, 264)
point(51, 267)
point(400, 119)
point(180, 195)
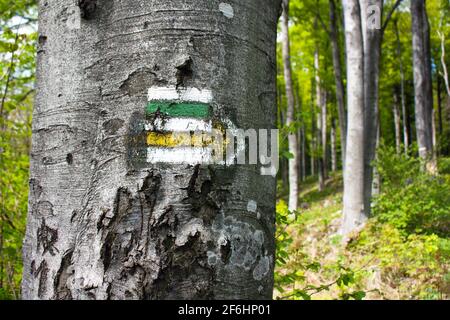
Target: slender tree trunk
point(320, 123)
point(376, 184)
point(290, 117)
point(439, 101)
point(338, 78)
point(397, 124)
point(325, 135)
point(105, 220)
point(313, 135)
point(422, 83)
point(402, 89)
point(333, 145)
point(303, 152)
point(372, 56)
point(353, 213)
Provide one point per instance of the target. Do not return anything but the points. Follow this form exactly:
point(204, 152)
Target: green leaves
point(17, 68)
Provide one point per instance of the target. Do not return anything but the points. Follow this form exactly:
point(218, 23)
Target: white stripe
point(185, 155)
point(173, 94)
point(179, 124)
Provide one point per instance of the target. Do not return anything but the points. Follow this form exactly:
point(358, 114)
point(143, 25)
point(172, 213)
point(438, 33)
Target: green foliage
point(409, 235)
point(294, 265)
point(444, 166)
point(17, 64)
point(413, 202)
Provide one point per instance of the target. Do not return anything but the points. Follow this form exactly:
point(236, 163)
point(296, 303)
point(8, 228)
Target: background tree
point(290, 115)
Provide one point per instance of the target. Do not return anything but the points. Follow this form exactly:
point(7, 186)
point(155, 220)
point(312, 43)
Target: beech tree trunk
point(397, 124)
point(340, 91)
point(333, 146)
point(402, 90)
point(423, 83)
point(321, 124)
point(105, 224)
point(353, 212)
point(372, 55)
point(290, 117)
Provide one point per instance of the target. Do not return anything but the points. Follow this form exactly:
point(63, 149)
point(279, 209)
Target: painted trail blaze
point(182, 109)
point(180, 129)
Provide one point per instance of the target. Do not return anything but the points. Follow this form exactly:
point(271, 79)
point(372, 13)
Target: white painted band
point(173, 94)
point(185, 155)
point(179, 124)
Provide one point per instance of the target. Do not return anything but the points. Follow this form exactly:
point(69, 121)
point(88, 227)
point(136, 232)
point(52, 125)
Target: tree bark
point(340, 91)
point(402, 90)
point(303, 152)
point(353, 212)
point(290, 117)
point(321, 124)
point(103, 222)
point(333, 146)
point(372, 55)
point(422, 83)
point(397, 124)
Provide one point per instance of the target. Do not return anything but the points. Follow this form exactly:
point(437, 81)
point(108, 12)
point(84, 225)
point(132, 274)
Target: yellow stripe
point(179, 139)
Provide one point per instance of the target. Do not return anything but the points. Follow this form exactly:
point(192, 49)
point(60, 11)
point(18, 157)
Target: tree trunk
point(353, 213)
point(439, 101)
point(105, 220)
point(397, 124)
point(290, 117)
point(333, 146)
point(402, 90)
point(338, 78)
point(422, 83)
point(320, 122)
point(303, 152)
point(324, 114)
point(313, 134)
point(372, 55)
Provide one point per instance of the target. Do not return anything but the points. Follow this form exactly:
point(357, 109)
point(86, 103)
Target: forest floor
point(377, 263)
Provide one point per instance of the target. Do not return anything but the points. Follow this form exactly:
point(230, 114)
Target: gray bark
point(372, 56)
point(422, 82)
point(402, 89)
point(303, 152)
point(100, 226)
point(340, 91)
point(321, 123)
point(397, 124)
point(290, 116)
point(333, 146)
point(353, 212)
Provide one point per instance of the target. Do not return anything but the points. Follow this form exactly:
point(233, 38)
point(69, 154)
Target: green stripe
point(181, 110)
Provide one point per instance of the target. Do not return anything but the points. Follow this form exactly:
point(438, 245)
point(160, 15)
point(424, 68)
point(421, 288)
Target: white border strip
point(179, 124)
point(173, 94)
point(184, 155)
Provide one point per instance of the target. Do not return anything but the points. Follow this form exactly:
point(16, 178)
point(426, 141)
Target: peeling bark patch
point(61, 289)
point(225, 251)
point(112, 126)
point(122, 206)
point(44, 209)
point(227, 10)
point(184, 72)
point(138, 81)
point(35, 189)
point(47, 237)
point(252, 206)
point(261, 269)
point(41, 271)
